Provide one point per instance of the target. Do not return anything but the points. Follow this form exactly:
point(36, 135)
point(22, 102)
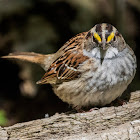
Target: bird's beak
point(103, 50)
point(104, 46)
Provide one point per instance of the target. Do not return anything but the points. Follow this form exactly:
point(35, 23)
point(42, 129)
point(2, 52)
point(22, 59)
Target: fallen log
point(121, 122)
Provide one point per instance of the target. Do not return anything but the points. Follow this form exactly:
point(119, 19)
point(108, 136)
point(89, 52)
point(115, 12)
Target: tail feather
point(27, 56)
point(44, 60)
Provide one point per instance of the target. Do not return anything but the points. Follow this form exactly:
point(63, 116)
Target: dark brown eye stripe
point(109, 28)
point(117, 34)
point(98, 28)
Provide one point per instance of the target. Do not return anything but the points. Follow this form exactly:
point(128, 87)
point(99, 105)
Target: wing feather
point(65, 67)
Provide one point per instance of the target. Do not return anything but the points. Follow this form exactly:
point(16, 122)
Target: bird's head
point(104, 39)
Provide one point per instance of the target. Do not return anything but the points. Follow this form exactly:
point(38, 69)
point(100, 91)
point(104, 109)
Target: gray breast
point(111, 72)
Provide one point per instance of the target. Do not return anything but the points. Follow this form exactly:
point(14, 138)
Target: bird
point(91, 69)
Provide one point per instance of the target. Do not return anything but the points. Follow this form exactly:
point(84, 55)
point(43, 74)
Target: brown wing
point(64, 68)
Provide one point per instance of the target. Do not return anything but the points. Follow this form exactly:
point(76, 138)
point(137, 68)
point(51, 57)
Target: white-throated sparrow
point(92, 68)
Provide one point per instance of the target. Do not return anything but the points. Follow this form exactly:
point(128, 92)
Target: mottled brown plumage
point(65, 67)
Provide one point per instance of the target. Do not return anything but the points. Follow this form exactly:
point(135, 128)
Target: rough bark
point(122, 122)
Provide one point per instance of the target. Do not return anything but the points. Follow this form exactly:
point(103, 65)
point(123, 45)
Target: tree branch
point(122, 122)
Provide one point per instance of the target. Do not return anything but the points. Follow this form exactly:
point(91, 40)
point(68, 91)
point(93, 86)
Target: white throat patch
point(97, 53)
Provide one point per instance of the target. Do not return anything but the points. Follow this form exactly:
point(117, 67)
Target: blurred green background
point(43, 26)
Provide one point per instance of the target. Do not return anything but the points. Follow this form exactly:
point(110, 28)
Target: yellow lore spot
point(110, 37)
point(97, 37)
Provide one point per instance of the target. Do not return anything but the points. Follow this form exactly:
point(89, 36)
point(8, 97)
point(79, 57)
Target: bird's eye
point(114, 38)
point(95, 40)
point(110, 42)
